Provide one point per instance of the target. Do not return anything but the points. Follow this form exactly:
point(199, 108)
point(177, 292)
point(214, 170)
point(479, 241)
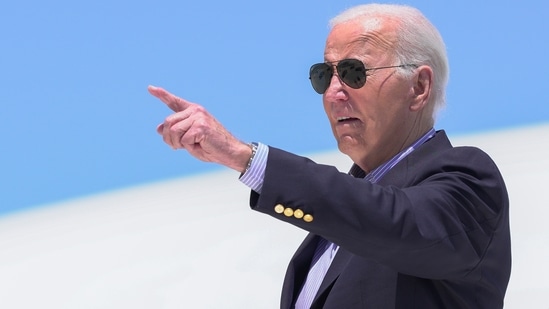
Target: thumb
point(175, 103)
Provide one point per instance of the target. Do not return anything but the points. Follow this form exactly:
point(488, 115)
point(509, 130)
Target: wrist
point(253, 148)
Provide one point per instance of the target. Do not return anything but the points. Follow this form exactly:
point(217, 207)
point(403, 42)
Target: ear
point(423, 82)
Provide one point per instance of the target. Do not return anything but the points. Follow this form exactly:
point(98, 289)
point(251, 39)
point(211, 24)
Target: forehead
point(369, 37)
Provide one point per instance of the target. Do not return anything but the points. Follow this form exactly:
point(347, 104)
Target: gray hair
point(418, 41)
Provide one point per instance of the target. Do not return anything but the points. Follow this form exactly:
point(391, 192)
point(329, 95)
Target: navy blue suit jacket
point(433, 233)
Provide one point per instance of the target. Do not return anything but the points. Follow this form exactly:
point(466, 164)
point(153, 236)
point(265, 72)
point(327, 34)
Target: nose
point(335, 87)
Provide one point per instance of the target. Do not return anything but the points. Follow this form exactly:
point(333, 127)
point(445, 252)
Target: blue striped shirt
point(253, 177)
point(326, 250)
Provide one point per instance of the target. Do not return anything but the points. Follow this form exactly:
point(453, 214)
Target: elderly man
point(417, 223)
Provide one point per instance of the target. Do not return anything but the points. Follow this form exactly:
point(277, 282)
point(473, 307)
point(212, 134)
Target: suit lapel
point(297, 270)
point(339, 263)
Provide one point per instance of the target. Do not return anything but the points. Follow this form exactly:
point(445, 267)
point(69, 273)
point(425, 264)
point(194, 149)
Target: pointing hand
point(193, 128)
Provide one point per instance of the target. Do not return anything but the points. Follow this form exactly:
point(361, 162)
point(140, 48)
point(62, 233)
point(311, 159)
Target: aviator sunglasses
point(352, 72)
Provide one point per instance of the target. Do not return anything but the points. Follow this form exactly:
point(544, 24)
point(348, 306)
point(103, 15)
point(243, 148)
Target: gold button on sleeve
point(308, 218)
point(298, 213)
point(279, 209)
point(288, 212)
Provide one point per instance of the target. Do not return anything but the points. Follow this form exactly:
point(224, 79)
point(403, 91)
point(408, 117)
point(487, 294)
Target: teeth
point(343, 118)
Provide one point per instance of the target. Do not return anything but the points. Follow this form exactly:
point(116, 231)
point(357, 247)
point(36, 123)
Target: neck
point(368, 164)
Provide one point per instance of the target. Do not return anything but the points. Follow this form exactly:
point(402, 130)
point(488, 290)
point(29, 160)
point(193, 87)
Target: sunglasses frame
point(321, 87)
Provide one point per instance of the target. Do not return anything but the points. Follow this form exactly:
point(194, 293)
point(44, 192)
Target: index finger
point(175, 103)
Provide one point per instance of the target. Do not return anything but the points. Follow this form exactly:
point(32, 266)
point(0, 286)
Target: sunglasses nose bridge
point(336, 84)
point(337, 79)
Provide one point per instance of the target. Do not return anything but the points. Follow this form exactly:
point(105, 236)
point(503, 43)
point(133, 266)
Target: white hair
point(418, 41)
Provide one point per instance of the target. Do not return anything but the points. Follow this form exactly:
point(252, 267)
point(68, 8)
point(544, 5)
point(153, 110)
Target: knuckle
point(175, 130)
point(169, 120)
point(199, 110)
point(202, 126)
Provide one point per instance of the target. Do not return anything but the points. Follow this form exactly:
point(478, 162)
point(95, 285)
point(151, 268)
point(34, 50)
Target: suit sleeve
point(436, 220)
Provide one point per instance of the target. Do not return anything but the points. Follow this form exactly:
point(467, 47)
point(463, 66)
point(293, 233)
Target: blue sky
point(77, 119)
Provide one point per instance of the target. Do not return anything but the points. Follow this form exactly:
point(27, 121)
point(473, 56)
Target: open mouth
point(346, 119)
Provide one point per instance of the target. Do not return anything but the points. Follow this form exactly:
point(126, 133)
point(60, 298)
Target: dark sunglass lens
point(320, 76)
point(352, 72)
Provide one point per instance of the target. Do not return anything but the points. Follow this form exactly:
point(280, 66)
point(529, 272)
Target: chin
point(346, 147)
point(354, 148)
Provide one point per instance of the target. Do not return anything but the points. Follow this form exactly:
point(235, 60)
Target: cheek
point(327, 108)
point(386, 105)
point(325, 105)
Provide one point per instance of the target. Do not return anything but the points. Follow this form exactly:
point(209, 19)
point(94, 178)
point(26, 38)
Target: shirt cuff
point(254, 176)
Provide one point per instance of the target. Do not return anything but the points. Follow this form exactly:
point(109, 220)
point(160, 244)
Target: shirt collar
point(375, 175)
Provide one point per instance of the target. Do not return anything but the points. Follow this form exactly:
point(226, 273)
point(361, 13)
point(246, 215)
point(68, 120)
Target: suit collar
point(403, 173)
point(399, 173)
